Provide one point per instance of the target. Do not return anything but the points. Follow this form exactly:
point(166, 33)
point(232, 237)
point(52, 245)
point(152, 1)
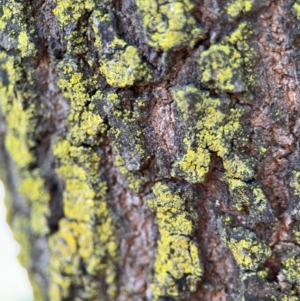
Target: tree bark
point(150, 148)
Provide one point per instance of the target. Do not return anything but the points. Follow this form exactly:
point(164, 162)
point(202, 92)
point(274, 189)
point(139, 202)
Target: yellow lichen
point(20, 126)
point(221, 65)
point(212, 132)
point(237, 168)
point(16, 140)
point(240, 39)
point(290, 298)
point(89, 238)
point(194, 164)
point(235, 8)
point(296, 9)
point(124, 68)
point(70, 11)
point(169, 24)
point(91, 234)
point(120, 63)
point(86, 124)
point(296, 182)
point(14, 29)
point(291, 268)
point(246, 248)
point(177, 257)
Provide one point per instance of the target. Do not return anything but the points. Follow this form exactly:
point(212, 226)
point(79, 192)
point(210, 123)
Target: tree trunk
point(150, 148)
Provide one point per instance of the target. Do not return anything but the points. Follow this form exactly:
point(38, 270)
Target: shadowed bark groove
point(150, 148)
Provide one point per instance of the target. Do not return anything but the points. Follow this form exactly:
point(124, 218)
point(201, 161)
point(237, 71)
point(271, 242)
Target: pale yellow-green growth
point(296, 182)
point(14, 30)
point(240, 35)
point(291, 268)
point(169, 24)
point(290, 298)
point(263, 150)
point(213, 131)
point(263, 274)
point(120, 63)
point(221, 66)
point(296, 233)
point(21, 229)
point(32, 187)
point(177, 255)
point(124, 68)
point(240, 38)
point(194, 163)
point(25, 46)
point(249, 196)
point(75, 242)
point(126, 135)
point(72, 17)
point(237, 7)
point(18, 121)
point(212, 126)
point(296, 9)
point(16, 140)
point(20, 126)
point(238, 168)
point(70, 11)
point(248, 251)
point(90, 237)
point(86, 125)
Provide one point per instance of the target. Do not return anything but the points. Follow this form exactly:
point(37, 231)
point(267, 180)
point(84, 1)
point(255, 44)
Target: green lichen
point(74, 243)
point(177, 259)
point(238, 171)
point(72, 17)
point(263, 150)
point(237, 168)
point(235, 8)
point(240, 36)
point(249, 252)
point(221, 66)
point(169, 24)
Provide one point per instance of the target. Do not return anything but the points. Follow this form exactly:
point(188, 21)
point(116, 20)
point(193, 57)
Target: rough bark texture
point(151, 148)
